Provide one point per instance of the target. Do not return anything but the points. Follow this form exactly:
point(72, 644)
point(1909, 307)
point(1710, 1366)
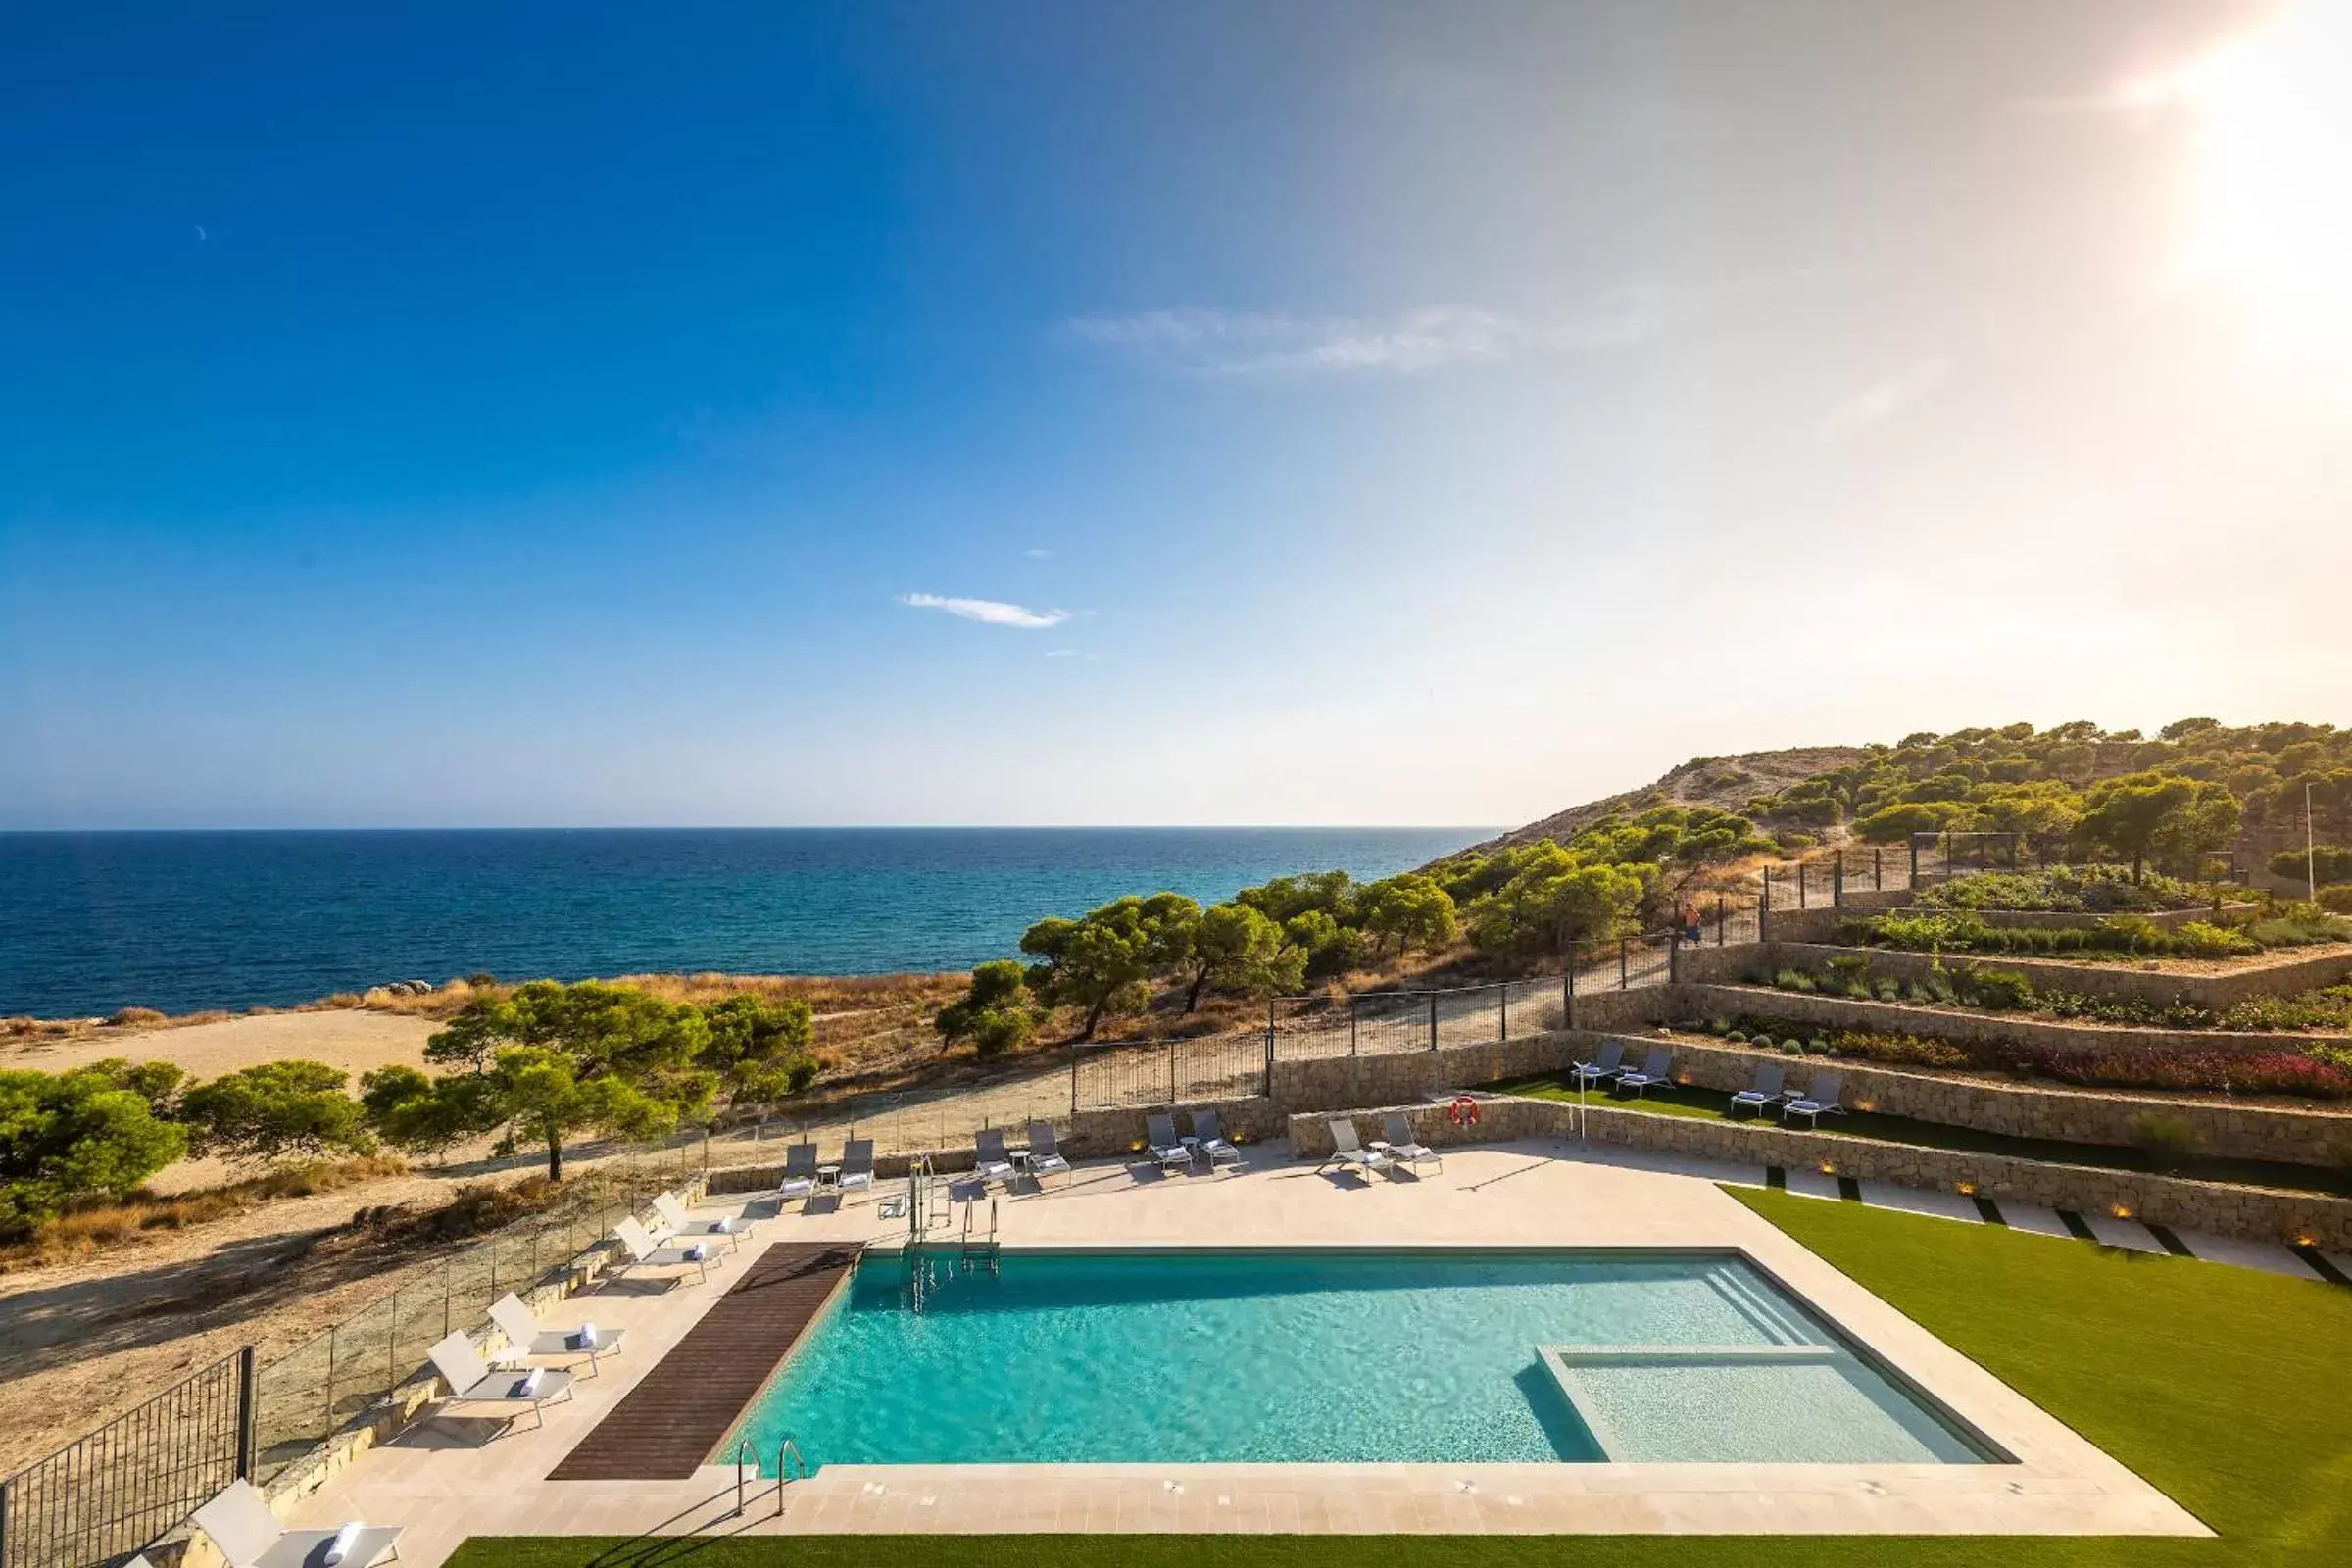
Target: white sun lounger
point(1767, 1091)
point(1348, 1153)
point(990, 1161)
point(1405, 1147)
point(1658, 1069)
point(513, 1389)
point(1208, 1136)
point(1818, 1099)
point(526, 1337)
point(1601, 1068)
point(856, 1166)
point(646, 1252)
point(685, 1227)
point(240, 1522)
point(1044, 1151)
point(1172, 1152)
point(800, 1172)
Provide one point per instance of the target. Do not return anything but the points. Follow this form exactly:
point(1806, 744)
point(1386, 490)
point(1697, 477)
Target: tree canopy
point(93, 1131)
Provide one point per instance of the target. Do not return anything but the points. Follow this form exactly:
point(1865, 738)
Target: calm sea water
point(94, 921)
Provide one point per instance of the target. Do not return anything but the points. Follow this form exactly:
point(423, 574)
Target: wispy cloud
point(1875, 405)
point(1217, 342)
point(1037, 555)
point(988, 612)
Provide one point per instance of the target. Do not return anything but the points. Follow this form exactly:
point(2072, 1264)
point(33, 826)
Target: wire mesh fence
point(308, 1394)
point(107, 1496)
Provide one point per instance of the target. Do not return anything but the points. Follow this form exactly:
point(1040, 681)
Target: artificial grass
point(1714, 1105)
point(2229, 1389)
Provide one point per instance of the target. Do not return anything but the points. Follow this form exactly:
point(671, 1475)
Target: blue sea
point(90, 922)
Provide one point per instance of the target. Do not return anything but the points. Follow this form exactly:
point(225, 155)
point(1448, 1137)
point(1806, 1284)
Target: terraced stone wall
point(2272, 976)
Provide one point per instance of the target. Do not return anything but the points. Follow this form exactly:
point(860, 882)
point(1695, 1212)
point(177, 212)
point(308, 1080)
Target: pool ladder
point(787, 1458)
point(976, 1243)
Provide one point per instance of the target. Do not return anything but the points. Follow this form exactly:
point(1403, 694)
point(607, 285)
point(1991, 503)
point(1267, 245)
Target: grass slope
point(2231, 1390)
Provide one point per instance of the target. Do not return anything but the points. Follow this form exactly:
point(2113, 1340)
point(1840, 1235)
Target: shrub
point(2332, 862)
point(135, 1017)
point(1999, 989)
point(1738, 1036)
point(2168, 1138)
point(1789, 1048)
point(2205, 940)
point(2336, 899)
point(1817, 1046)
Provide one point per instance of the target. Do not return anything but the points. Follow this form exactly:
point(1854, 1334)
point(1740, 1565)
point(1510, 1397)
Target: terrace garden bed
point(2122, 938)
point(2323, 1009)
point(2071, 890)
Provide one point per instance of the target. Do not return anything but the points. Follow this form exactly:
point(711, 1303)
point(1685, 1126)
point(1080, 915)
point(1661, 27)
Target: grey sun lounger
point(1658, 1069)
point(1403, 1147)
point(1172, 1152)
point(990, 1161)
point(240, 1522)
point(1350, 1154)
point(800, 1172)
point(856, 1166)
point(685, 1227)
point(646, 1252)
point(1767, 1091)
point(1601, 1068)
point(526, 1337)
point(513, 1389)
point(1208, 1136)
point(1818, 1099)
point(1044, 1151)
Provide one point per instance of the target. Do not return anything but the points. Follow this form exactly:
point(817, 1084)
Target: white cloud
point(1217, 342)
point(1875, 405)
point(988, 612)
point(1037, 555)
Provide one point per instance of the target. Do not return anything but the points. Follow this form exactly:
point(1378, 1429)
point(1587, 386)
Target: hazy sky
point(1032, 412)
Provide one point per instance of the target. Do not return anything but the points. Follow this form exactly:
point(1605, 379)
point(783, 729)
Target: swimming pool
point(1293, 1356)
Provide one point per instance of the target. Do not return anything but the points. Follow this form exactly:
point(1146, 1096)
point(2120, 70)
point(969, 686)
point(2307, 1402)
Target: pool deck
point(444, 1482)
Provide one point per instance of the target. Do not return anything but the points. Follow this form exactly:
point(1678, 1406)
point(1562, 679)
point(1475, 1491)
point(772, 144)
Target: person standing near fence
point(1688, 919)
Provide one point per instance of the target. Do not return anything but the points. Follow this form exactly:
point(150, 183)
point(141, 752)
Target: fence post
point(1674, 957)
point(1800, 884)
point(1623, 944)
point(1433, 1020)
point(1568, 992)
point(1722, 918)
point(1838, 879)
point(1269, 1038)
point(1505, 1033)
point(330, 1376)
point(1074, 1080)
point(1171, 1072)
point(248, 1388)
point(1878, 868)
point(1352, 1023)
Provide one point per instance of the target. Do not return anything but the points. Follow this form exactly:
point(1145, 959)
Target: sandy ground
point(354, 1041)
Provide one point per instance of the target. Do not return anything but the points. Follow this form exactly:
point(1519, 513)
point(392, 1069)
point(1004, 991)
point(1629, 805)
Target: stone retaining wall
point(1951, 1023)
point(2272, 975)
point(2318, 1138)
point(2254, 1213)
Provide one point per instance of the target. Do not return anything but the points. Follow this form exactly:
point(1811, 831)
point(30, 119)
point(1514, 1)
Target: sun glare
point(2272, 216)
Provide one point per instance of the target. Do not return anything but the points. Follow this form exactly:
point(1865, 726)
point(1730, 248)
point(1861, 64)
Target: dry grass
point(91, 1228)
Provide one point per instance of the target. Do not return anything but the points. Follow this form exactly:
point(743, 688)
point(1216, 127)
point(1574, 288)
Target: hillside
point(1726, 783)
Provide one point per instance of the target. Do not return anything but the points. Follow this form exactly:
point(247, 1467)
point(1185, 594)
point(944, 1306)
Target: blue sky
point(1373, 414)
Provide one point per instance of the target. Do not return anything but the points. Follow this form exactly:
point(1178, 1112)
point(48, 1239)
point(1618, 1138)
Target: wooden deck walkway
point(669, 1422)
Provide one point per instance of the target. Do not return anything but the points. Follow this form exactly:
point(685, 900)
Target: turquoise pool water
point(1298, 1356)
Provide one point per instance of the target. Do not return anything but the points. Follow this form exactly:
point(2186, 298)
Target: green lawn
point(1714, 1105)
point(2231, 1390)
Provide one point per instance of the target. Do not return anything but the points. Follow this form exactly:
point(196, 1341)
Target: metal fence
point(112, 1493)
point(138, 1477)
point(314, 1390)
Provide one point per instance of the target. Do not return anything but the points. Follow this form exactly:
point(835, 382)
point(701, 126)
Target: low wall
point(1952, 1023)
point(1087, 1135)
point(2316, 1138)
point(1625, 1009)
point(2272, 976)
point(2255, 1213)
point(1334, 1083)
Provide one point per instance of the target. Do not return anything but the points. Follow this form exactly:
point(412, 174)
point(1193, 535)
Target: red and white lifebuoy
point(1463, 1112)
